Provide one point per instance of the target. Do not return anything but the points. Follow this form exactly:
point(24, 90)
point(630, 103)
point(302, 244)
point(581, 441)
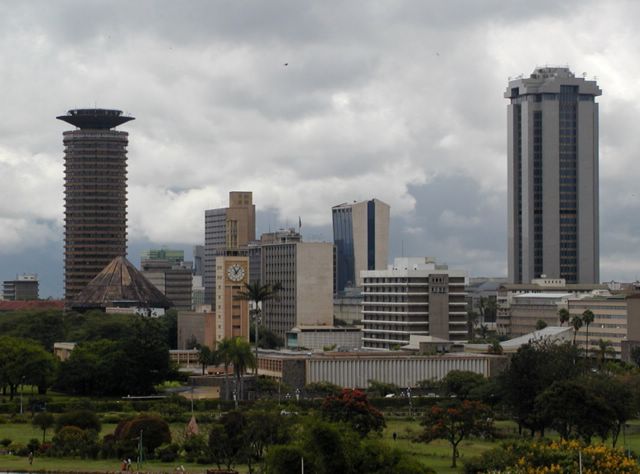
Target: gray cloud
point(397, 100)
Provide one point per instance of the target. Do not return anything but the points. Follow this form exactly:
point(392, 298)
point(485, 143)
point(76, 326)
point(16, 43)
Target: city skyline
point(402, 102)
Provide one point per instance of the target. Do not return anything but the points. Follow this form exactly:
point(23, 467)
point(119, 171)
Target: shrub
point(5, 442)
point(33, 445)
point(155, 432)
point(83, 419)
point(195, 447)
point(73, 441)
point(167, 452)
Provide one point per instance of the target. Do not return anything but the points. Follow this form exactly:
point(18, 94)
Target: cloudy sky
point(399, 100)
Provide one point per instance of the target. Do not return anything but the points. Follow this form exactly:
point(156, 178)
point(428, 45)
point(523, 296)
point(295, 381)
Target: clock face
point(235, 272)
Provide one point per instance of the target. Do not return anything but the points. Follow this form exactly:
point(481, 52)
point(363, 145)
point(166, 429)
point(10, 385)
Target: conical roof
point(120, 283)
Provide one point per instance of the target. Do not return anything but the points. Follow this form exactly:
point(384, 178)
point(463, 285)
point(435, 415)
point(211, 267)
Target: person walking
point(30, 458)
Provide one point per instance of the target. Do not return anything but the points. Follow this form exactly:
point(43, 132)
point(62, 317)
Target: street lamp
point(410, 405)
point(21, 388)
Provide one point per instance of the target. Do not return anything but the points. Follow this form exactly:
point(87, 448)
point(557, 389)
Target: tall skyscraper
point(361, 237)
point(227, 228)
point(95, 194)
point(553, 177)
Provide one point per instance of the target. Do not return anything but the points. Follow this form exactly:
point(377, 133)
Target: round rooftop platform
point(96, 119)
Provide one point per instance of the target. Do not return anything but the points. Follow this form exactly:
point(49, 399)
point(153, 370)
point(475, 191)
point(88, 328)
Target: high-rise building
point(413, 296)
point(173, 278)
point(361, 237)
point(227, 228)
point(553, 227)
point(95, 194)
point(198, 259)
point(305, 271)
point(23, 288)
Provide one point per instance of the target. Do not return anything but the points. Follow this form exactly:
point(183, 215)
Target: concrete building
point(196, 326)
point(170, 255)
point(305, 271)
point(361, 237)
point(198, 259)
point(318, 338)
point(616, 319)
point(508, 291)
point(23, 288)
point(357, 369)
point(413, 296)
point(228, 228)
point(347, 306)
point(95, 229)
point(197, 292)
point(553, 220)
point(173, 278)
point(232, 314)
point(529, 308)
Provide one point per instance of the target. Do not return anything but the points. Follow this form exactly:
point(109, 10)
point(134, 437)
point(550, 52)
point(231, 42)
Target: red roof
point(30, 304)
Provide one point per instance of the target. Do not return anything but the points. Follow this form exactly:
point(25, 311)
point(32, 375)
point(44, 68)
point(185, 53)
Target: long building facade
point(413, 296)
point(553, 219)
point(95, 228)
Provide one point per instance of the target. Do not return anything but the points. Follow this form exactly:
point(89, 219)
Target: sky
point(308, 105)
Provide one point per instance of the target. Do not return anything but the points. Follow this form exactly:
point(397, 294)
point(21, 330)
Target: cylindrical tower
point(95, 194)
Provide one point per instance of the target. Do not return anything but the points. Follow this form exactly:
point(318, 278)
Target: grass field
point(436, 455)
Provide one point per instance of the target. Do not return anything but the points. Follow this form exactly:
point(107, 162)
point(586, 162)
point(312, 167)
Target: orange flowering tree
point(353, 407)
point(456, 421)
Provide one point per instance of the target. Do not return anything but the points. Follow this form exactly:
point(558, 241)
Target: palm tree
point(587, 318)
point(242, 359)
point(604, 348)
point(224, 355)
point(256, 294)
point(576, 323)
point(204, 357)
point(564, 316)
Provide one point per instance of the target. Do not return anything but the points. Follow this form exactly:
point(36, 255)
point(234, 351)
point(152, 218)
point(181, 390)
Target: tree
point(576, 323)
point(587, 319)
point(574, 408)
point(455, 422)
point(263, 429)
point(541, 324)
point(204, 357)
point(227, 443)
point(462, 383)
point(532, 370)
point(604, 349)
point(635, 355)
point(381, 389)
point(353, 407)
point(224, 350)
point(83, 419)
point(322, 389)
point(257, 293)
point(24, 361)
point(564, 316)
point(241, 358)
point(44, 421)
point(154, 430)
point(495, 348)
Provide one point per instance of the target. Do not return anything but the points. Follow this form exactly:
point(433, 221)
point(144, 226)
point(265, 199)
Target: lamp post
point(21, 388)
point(410, 405)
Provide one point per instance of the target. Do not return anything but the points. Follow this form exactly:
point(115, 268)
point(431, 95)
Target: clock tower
point(232, 314)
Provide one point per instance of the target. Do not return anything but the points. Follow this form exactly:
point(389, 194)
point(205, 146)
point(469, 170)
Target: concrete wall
point(314, 284)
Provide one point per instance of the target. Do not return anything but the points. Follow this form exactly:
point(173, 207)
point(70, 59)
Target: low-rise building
point(196, 328)
point(357, 369)
point(529, 308)
point(318, 338)
point(22, 288)
point(347, 306)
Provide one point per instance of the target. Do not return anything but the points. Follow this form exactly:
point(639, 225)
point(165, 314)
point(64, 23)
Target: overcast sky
point(399, 100)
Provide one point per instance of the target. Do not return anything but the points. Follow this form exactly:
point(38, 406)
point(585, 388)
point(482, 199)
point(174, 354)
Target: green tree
point(574, 408)
point(563, 316)
point(44, 421)
point(576, 323)
point(241, 358)
point(83, 419)
point(456, 422)
point(604, 349)
point(155, 432)
point(256, 294)
point(587, 319)
point(224, 350)
point(322, 389)
point(353, 407)
point(462, 383)
point(532, 370)
point(381, 389)
point(635, 355)
point(204, 357)
point(227, 440)
point(541, 324)
point(25, 361)
point(264, 429)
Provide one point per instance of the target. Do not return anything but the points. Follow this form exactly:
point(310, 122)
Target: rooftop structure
point(120, 284)
point(95, 119)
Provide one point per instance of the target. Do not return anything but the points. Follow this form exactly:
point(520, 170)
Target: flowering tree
point(456, 422)
point(353, 407)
